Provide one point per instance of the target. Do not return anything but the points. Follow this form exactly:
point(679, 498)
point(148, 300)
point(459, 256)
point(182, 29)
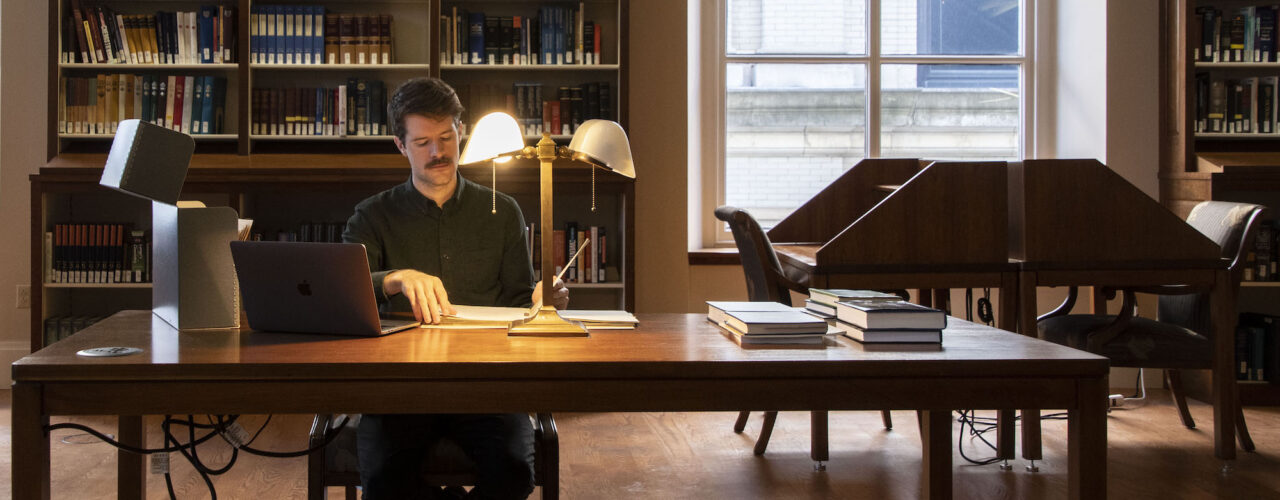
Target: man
point(433, 241)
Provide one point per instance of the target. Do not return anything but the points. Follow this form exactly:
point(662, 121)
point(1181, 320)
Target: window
point(805, 89)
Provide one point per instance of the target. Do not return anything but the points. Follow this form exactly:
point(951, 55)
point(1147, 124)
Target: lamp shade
point(494, 135)
point(604, 143)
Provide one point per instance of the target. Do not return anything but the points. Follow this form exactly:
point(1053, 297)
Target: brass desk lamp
point(596, 143)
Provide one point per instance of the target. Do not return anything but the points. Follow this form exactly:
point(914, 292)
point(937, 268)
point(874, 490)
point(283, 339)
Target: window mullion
point(871, 130)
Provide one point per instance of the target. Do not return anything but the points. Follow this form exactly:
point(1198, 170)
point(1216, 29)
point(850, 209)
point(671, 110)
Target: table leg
point(935, 441)
point(1223, 315)
point(131, 482)
point(30, 458)
point(1087, 441)
point(1031, 443)
point(818, 436)
point(1027, 313)
point(1006, 428)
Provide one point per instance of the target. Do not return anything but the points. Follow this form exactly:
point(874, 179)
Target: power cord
point(218, 424)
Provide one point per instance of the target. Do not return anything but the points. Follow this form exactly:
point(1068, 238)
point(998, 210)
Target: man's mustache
point(438, 163)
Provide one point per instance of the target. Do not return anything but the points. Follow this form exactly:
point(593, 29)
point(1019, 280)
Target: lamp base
point(548, 323)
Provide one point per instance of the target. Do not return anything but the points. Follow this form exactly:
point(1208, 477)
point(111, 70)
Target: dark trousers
point(393, 447)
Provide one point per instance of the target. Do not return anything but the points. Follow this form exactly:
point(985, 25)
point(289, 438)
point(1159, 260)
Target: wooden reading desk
point(672, 362)
point(906, 223)
point(1078, 223)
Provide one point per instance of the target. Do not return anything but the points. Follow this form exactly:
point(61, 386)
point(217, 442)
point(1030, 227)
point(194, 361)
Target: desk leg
point(1087, 441)
point(1006, 432)
point(131, 482)
point(30, 458)
point(1223, 316)
point(935, 441)
point(818, 436)
point(1006, 429)
point(1027, 312)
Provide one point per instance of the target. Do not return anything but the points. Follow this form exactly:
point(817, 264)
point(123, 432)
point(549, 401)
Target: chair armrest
point(1064, 307)
point(1102, 336)
point(320, 429)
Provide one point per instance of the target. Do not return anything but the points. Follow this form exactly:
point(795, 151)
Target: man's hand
point(559, 296)
point(425, 293)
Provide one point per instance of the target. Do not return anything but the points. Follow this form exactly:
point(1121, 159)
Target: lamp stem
point(546, 154)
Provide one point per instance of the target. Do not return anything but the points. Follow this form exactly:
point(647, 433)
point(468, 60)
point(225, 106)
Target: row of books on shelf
point(357, 108)
point(537, 111)
point(97, 253)
point(60, 327)
point(1257, 347)
point(1236, 106)
point(97, 104)
point(866, 316)
point(1241, 34)
point(306, 34)
point(593, 265)
point(307, 232)
point(556, 35)
point(1262, 260)
point(94, 33)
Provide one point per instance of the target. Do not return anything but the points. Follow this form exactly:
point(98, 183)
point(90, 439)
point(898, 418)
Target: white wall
point(23, 83)
point(1107, 100)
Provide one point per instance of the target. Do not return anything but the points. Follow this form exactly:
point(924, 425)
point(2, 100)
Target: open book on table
point(478, 317)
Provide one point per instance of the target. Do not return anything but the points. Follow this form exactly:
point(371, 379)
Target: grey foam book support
point(194, 278)
point(148, 161)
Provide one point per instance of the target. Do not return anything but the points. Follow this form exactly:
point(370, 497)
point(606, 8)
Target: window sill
point(727, 256)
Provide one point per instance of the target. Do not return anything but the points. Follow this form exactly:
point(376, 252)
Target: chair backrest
point(1233, 227)
point(759, 261)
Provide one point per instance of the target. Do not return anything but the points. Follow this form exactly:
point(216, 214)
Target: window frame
point(714, 60)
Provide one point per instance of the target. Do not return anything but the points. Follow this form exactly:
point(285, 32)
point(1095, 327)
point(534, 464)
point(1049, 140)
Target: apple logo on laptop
point(304, 288)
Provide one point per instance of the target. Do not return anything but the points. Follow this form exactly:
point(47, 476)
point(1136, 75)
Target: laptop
point(309, 288)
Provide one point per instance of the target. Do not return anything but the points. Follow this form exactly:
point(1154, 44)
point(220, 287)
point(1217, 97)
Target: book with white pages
point(717, 310)
point(873, 315)
point(775, 322)
point(775, 339)
point(602, 319)
point(890, 335)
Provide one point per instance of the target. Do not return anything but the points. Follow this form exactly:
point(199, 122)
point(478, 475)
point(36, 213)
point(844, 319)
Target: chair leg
point(887, 418)
point(766, 430)
point(742, 422)
point(1242, 432)
point(351, 492)
point(1174, 378)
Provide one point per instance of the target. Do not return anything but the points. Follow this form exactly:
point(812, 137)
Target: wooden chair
point(447, 465)
point(1182, 338)
point(766, 282)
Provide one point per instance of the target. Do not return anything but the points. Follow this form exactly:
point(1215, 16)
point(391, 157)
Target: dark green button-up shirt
point(482, 257)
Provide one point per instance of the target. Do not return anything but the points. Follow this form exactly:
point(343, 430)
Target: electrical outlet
point(24, 297)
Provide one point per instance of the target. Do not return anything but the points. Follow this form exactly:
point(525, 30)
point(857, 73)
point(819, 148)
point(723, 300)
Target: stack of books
point(886, 321)
point(766, 323)
point(822, 301)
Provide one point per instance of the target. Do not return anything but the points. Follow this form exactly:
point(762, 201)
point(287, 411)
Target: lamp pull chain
point(593, 188)
point(493, 208)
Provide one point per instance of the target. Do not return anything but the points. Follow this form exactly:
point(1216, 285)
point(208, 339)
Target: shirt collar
point(450, 206)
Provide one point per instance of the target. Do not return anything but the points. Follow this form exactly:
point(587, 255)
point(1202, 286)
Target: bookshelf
point(1199, 163)
point(284, 181)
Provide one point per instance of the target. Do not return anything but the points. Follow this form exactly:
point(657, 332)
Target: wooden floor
point(697, 456)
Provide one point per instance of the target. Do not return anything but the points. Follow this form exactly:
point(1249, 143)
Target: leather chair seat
point(447, 462)
point(1178, 347)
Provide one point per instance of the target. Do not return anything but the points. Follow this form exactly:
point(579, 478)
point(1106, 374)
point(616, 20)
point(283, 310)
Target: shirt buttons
point(446, 256)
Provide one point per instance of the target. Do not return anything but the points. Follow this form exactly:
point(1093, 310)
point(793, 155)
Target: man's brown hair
point(429, 97)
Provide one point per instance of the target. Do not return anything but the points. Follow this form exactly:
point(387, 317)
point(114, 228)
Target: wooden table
point(673, 362)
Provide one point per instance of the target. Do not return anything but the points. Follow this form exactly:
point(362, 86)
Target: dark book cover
point(1266, 105)
point(1265, 45)
point(476, 37)
point(506, 40)
point(1217, 105)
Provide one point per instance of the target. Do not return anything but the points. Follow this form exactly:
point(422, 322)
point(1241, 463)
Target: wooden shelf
point(320, 138)
point(1260, 284)
point(531, 67)
point(128, 67)
point(1223, 135)
point(1231, 65)
point(613, 285)
point(98, 285)
point(107, 137)
point(341, 67)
